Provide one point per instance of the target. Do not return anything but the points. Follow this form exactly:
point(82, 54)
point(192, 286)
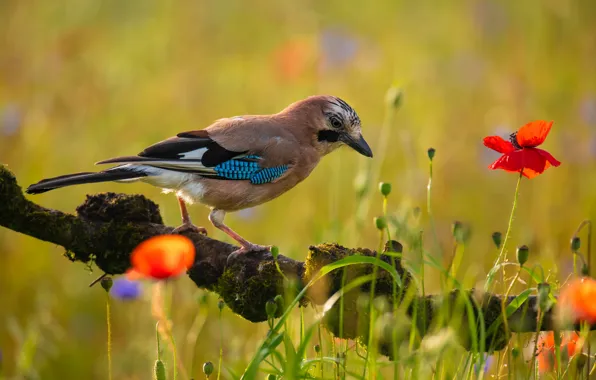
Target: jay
point(235, 163)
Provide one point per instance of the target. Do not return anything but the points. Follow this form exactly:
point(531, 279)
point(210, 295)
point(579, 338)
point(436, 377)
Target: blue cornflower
point(488, 361)
point(126, 289)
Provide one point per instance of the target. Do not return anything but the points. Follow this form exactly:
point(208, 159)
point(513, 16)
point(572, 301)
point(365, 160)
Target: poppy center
point(513, 140)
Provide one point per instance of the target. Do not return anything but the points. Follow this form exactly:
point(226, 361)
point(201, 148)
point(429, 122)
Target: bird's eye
point(335, 122)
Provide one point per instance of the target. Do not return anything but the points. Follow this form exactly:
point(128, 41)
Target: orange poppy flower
point(546, 350)
point(520, 153)
point(577, 300)
point(162, 257)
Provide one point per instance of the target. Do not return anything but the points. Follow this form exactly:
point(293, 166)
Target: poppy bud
point(431, 153)
point(271, 377)
point(279, 300)
point(543, 296)
point(271, 308)
point(416, 212)
point(575, 244)
point(515, 352)
point(317, 348)
point(522, 254)
point(380, 223)
point(363, 302)
point(581, 361)
point(380, 303)
point(221, 304)
point(456, 228)
point(460, 232)
point(497, 239)
point(274, 252)
point(393, 246)
point(106, 283)
point(208, 368)
point(361, 184)
point(585, 270)
point(203, 299)
point(159, 370)
point(394, 97)
point(385, 188)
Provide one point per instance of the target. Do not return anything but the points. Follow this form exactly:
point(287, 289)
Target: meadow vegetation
point(81, 81)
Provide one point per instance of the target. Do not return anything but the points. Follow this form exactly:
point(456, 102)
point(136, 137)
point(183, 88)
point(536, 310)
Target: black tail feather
point(81, 178)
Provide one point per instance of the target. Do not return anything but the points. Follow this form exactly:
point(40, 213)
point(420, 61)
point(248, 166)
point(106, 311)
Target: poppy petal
point(499, 144)
point(546, 349)
point(511, 162)
point(133, 275)
point(533, 133)
point(163, 256)
point(533, 162)
point(530, 173)
point(549, 157)
point(576, 300)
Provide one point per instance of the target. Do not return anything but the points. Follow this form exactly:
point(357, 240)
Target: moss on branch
point(108, 226)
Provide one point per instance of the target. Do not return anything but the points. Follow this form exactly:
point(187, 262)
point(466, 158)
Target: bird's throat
point(328, 135)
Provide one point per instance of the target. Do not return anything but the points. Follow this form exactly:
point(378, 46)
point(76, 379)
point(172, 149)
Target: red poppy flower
point(162, 257)
point(576, 302)
point(546, 350)
point(520, 153)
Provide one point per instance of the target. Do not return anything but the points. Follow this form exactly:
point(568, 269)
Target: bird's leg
point(216, 217)
point(186, 223)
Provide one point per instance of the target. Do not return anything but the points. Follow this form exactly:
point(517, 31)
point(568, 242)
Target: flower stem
point(429, 210)
point(220, 344)
point(321, 350)
point(370, 361)
point(157, 340)
point(393, 294)
point(589, 255)
point(504, 301)
point(503, 247)
point(109, 322)
point(158, 309)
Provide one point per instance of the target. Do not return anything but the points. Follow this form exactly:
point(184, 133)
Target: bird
point(235, 163)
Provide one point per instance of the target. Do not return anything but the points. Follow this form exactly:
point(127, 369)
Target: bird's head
point(333, 124)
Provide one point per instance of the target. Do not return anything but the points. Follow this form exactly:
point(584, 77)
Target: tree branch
point(108, 226)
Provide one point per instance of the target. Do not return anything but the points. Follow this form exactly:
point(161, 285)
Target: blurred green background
point(85, 80)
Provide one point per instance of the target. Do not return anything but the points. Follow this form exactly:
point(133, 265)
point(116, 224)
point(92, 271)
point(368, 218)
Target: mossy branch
point(108, 226)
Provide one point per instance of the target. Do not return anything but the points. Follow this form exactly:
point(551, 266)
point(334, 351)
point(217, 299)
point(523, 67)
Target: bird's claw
point(189, 227)
point(249, 249)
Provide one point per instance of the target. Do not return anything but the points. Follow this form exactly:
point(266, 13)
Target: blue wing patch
point(247, 168)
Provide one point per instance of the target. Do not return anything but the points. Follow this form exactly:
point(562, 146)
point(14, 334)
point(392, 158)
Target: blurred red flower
point(577, 300)
point(546, 350)
point(162, 257)
point(520, 153)
point(293, 58)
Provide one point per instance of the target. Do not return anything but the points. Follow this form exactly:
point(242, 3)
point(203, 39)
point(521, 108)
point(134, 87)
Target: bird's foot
point(189, 227)
point(247, 249)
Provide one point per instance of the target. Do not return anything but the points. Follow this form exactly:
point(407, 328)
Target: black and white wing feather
point(195, 152)
point(187, 152)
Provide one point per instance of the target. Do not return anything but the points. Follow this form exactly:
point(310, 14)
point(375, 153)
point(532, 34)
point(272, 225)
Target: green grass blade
point(518, 301)
point(266, 347)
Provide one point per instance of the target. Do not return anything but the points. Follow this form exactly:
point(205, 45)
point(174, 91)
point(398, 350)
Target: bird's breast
point(232, 195)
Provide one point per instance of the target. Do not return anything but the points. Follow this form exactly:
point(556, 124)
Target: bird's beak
point(359, 144)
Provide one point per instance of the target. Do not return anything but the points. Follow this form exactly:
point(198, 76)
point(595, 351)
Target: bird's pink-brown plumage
point(281, 139)
point(193, 164)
